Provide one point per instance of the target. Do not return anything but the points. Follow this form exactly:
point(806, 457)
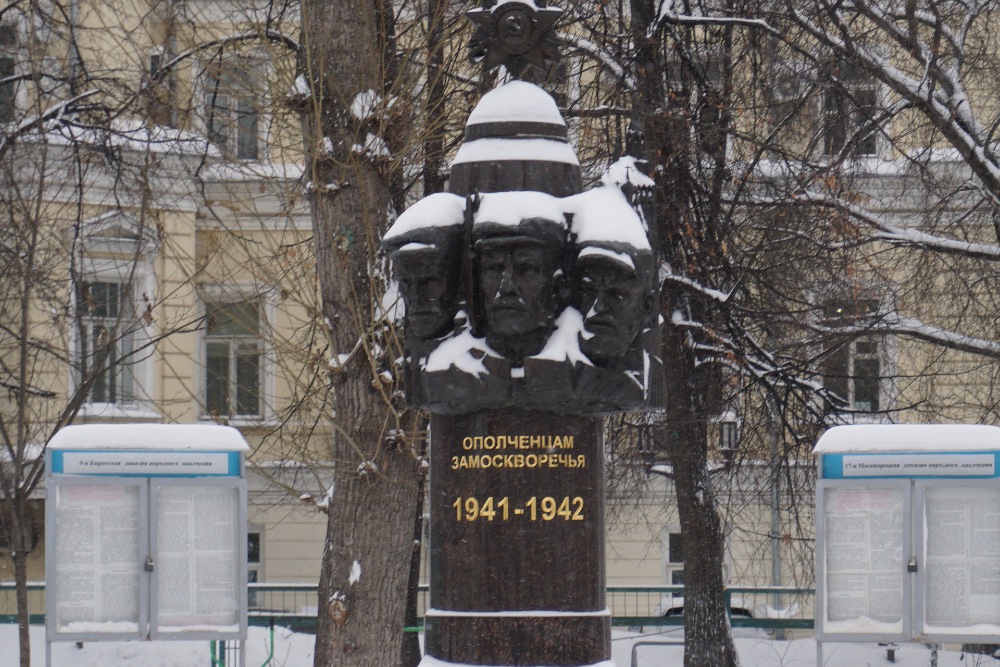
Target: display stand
point(908, 534)
point(145, 530)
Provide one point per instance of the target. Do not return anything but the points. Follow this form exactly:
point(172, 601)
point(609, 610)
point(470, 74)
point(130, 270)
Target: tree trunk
point(707, 637)
point(669, 150)
point(20, 558)
point(366, 555)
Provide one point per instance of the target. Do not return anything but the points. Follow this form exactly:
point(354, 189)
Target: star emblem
point(514, 33)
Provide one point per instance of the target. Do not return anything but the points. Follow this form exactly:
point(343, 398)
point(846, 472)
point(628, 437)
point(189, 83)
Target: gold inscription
point(517, 461)
point(549, 443)
point(533, 509)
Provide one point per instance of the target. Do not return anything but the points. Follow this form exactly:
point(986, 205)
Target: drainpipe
point(171, 52)
point(74, 52)
point(775, 517)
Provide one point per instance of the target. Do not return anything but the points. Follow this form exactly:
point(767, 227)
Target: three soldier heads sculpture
point(536, 298)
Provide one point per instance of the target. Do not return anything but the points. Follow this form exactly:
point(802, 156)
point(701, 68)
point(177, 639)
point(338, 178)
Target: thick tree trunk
point(20, 557)
point(707, 637)
point(667, 141)
point(366, 556)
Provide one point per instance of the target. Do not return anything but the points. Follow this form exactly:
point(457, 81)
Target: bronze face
point(614, 304)
point(519, 289)
point(427, 282)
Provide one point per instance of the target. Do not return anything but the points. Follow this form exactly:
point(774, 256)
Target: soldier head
point(520, 241)
point(613, 269)
point(424, 245)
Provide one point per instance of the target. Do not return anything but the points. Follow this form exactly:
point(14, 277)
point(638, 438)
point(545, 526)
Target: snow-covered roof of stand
point(194, 437)
point(441, 209)
point(909, 438)
point(516, 101)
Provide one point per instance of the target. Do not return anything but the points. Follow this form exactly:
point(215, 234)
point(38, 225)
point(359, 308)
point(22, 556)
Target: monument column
point(517, 540)
point(530, 316)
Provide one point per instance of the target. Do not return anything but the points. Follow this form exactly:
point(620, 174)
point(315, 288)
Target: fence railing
point(294, 605)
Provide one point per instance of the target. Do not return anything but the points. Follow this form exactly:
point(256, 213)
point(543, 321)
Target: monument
point(530, 315)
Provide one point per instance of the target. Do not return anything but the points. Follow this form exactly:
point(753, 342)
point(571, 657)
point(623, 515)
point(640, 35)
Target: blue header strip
point(146, 463)
point(910, 465)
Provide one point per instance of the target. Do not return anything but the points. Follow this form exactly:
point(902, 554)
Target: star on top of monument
point(514, 33)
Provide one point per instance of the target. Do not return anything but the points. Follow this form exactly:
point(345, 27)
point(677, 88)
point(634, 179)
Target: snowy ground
point(296, 650)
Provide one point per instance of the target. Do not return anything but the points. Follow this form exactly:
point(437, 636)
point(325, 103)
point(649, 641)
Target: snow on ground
point(296, 650)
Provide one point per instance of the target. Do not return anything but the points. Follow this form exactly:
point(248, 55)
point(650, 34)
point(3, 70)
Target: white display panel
point(864, 574)
point(961, 591)
point(198, 545)
point(98, 563)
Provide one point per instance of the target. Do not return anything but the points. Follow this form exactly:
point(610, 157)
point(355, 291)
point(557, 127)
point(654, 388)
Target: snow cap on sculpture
point(613, 268)
point(423, 244)
point(519, 240)
point(515, 139)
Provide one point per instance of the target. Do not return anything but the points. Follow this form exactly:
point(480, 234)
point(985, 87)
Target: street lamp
point(728, 434)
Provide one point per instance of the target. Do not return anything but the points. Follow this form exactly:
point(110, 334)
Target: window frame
point(845, 107)
point(863, 307)
point(9, 98)
point(219, 295)
point(708, 61)
point(113, 248)
point(253, 67)
point(255, 568)
point(116, 380)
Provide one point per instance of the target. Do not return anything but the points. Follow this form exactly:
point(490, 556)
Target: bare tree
point(809, 178)
point(366, 69)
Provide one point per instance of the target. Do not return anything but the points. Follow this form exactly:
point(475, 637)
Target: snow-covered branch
point(939, 93)
point(608, 61)
point(668, 15)
point(667, 275)
point(884, 231)
point(56, 113)
point(251, 36)
point(893, 324)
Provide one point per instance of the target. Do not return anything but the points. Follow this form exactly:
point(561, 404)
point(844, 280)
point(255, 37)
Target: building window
point(853, 372)
point(232, 108)
point(105, 342)
point(158, 93)
point(233, 358)
point(696, 84)
point(852, 367)
point(253, 566)
point(787, 91)
point(850, 104)
point(675, 559)
point(8, 89)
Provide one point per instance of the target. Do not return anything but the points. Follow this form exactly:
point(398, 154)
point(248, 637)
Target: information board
point(863, 536)
point(962, 558)
point(198, 546)
point(97, 558)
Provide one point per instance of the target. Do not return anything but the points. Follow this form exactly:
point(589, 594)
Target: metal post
point(775, 517)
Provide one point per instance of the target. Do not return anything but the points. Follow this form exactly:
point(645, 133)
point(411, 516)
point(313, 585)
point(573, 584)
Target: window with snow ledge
point(850, 110)
point(8, 62)
point(854, 364)
point(674, 543)
point(234, 377)
point(159, 105)
point(789, 94)
point(233, 106)
point(695, 79)
point(255, 538)
point(113, 288)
